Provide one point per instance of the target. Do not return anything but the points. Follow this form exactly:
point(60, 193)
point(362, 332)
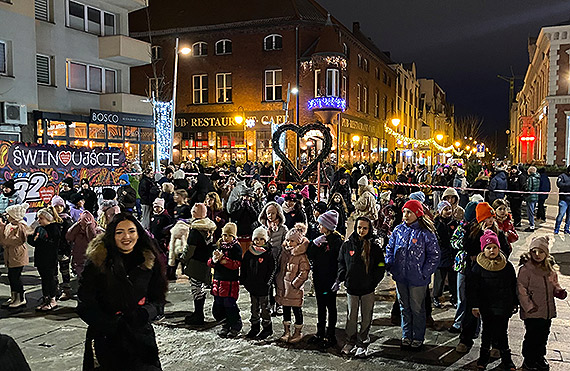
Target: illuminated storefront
point(361, 141)
point(134, 134)
point(219, 138)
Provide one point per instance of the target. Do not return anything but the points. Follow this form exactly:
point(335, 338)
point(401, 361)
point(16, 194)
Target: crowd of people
point(238, 227)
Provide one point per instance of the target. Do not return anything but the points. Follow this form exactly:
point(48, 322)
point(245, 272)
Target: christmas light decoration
point(162, 118)
point(324, 60)
point(327, 103)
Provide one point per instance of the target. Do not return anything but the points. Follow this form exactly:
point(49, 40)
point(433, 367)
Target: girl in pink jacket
point(537, 287)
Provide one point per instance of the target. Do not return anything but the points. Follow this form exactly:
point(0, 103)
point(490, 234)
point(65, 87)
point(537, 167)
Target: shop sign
point(38, 169)
point(253, 120)
point(120, 118)
point(357, 125)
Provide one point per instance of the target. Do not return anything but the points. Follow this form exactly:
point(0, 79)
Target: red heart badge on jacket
point(414, 240)
point(260, 260)
point(351, 252)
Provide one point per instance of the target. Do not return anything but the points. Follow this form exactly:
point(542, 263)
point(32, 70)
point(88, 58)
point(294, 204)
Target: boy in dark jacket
point(492, 292)
point(126, 195)
point(323, 255)
point(256, 274)
point(226, 261)
point(445, 226)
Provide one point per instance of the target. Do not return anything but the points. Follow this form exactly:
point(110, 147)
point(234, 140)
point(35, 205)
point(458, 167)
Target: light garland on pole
point(327, 103)
point(162, 119)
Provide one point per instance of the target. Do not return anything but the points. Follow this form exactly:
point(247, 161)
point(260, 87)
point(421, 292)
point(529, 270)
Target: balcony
point(128, 103)
point(125, 50)
point(130, 5)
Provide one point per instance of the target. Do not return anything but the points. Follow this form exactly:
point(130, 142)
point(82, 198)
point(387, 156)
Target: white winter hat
point(17, 211)
point(179, 174)
point(363, 181)
point(260, 232)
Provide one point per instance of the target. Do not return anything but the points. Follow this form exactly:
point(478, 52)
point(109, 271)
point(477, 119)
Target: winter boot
point(171, 273)
point(542, 364)
point(287, 331)
point(329, 340)
point(66, 294)
point(20, 301)
point(10, 301)
point(297, 335)
point(255, 327)
point(507, 361)
point(319, 336)
point(484, 356)
point(266, 332)
point(196, 318)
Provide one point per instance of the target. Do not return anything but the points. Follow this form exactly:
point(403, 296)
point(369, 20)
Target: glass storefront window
point(232, 139)
point(344, 149)
point(366, 148)
point(147, 154)
point(147, 134)
point(40, 129)
point(96, 131)
point(374, 150)
point(131, 151)
point(263, 146)
point(131, 133)
point(78, 130)
point(56, 129)
point(115, 132)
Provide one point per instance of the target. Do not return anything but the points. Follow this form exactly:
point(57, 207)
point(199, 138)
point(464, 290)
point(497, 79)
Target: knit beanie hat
point(418, 196)
point(329, 220)
point(321, 207)
point(68, 181)
point(414, 206)
point(76, 197)
point(484, 211)
point(179, 174)
point(489, 237)
point(289, 188)
point(260, 232)
point(470, 214)
point(450, 192)
point(290, 196)
point(230, 229)
point(199, 211)
point(297, 233)
point(476, 198)
point(57, 201)
point(272, 183)
point(363, 181)
point(17, 211)
point(540, 243)
point(305, 191)
point(385, 196)
point(46, 213)
point(442, 205)
point(159, 202)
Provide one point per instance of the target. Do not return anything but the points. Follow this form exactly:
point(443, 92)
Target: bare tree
point(161, 90)
point(469, 126)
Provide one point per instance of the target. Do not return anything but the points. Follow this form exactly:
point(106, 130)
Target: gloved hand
point(320, 240)
point(560, 294)
point(335, 286)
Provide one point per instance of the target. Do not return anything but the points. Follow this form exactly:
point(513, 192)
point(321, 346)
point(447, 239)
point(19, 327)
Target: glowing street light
point(439, 137)
point(185, 51)
point(457, 144)
point(356, 138)
point(294, 90)
point(467, 148)
point(238, 119)
point(395, 121)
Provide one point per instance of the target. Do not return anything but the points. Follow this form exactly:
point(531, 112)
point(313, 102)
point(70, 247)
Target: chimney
point(355, 27)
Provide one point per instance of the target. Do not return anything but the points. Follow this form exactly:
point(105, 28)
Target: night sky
point(462, 44)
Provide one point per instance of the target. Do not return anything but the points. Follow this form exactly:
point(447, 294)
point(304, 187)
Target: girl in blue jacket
point(412, 256)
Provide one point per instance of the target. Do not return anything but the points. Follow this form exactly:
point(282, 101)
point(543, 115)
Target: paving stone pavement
point(55, 341)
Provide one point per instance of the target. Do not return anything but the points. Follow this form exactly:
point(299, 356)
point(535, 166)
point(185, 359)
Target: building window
point(365, 64)
point(365, 99)
point(385, 107)
point(376, 104)
point(224, 87)
point(332, 82)
point(359, 61)
point(358, 97)
point(156, 53)
point(273, 42)
point(3, 58)
point(384, 78)
point(200, 89)
point(42, 10)
point(43, 69)
point(273, 85)
point(231, 146)
point(90, 19)
point(155, 87)
point(346, 50)
point(377, 73)
point(200, 49)
point(318, 83)
point(224, 47)
point(343, 94)
point(91, 78)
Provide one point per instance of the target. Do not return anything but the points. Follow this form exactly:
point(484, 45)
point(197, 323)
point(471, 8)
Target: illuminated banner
point(37, 169)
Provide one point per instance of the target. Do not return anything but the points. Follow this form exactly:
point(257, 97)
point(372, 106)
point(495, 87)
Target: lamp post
point(184, 51)
point(239, 119)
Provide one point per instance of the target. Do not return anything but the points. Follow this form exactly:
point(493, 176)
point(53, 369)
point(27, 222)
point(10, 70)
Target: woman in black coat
point(121, 290)
point(89, 196)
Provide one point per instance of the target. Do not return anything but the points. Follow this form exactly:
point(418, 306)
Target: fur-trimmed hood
point(263, 215)
point(299, 249)
point(97, 253)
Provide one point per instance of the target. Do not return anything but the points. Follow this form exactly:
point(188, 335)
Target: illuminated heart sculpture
point(301, 131)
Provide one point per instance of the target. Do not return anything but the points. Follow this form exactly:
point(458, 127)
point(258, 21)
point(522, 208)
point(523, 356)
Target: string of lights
point(162, 117)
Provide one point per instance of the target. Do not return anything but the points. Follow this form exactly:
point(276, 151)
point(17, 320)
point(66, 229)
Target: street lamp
point(395, 121)
point(439, 137)
point(177, 51)
point(467, 148)
point(457, 144)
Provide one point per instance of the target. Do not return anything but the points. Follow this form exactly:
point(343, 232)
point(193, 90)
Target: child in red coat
point(504, 220)
point(226, 262)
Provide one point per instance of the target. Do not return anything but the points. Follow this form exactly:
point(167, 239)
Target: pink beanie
point(489, 238)
point(305, 191)
point(159, 202)
point(57, 201)
point(199, 211)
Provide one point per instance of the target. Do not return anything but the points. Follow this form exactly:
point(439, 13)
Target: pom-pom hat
point(414, 206)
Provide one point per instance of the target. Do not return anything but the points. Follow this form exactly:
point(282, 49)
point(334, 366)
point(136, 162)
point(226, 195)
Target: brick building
point(540, 116)
point(244, 56)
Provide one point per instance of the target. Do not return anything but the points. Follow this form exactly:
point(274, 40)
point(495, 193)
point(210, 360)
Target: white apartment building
point(63, 64)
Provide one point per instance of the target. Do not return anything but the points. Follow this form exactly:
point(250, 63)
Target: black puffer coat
point(46, 243)
point(118, 296)
point(324, 262)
